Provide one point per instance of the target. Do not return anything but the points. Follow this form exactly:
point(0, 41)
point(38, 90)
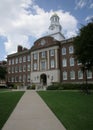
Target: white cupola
point(55, 28)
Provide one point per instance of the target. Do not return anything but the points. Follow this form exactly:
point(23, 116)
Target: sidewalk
point(32, 113)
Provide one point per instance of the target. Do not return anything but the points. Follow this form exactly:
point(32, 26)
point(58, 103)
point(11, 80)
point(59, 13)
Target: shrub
point(68, 86)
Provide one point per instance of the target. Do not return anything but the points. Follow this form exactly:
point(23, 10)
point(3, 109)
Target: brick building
point(50, 59)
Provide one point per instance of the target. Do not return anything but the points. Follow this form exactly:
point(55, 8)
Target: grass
point(8, 101)
point(74, 109)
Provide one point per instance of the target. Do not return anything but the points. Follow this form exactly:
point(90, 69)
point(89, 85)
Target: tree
point(3, 72)
point(83, 46)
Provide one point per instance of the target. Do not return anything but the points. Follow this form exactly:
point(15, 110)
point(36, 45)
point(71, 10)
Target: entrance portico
point(43, 79)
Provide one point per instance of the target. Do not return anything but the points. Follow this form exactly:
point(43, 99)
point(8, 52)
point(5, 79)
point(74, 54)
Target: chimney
point(19, 49)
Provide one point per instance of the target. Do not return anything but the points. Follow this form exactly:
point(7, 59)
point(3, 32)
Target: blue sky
point(23, 21)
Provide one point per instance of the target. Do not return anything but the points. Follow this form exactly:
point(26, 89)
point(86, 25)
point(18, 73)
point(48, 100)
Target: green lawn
point(74, 109)
point(8, 101)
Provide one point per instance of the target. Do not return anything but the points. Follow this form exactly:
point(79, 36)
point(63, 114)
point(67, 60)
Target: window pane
point(52, 64)
point(64, 75)
point(80, 74)
point(71, 49)
point(72, 75)
point(51, 52)
point(71, 61)
point(63, 51)
point(64, 62)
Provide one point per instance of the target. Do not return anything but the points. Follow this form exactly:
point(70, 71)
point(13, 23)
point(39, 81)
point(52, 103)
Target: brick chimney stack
point(19, 49)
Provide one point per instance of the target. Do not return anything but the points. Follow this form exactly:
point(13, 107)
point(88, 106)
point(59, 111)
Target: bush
point(69, 86)
point(31, 87)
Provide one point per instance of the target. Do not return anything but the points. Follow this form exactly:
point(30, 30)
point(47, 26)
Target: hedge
point(60, 86)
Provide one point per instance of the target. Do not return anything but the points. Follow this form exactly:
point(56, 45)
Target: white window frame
point(71, 49)
point(24, 58)
point(20, 59)
point(64, 75)
point(63, 51)
point(24, 68)
point(72, 62)
point(12, 61)
point(52, 52)
point(35, 56)
point(16, 60)
point(28, 58)
point(72, 75)
point(80, 74)
point(43, 65)
point(43, 54)
point(89, 74)
point(28, 67)
point(52, 63)
point(35, 66)
point(64, 62)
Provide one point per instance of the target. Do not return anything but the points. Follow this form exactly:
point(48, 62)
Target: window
point(64, 75)
point(24, 78)
point(20, 59)
point(80, 74)
point(89, 74)
point(20, 78)
point(35, 56)
point(16, 78)
point(28, 77)
point(9, 62)
point(16, 60)
point(24, 58)
point(28, 58)
point(71, 49)
point(43, 65)
point(20, 68)
point(52, 63)
point(64, 62)
point(12, 61)
point(24, 68)
point(79, 63)
point(72, 75)
point(16, 69)
point(13, 69)
point(63, 51)
point(28, 67)
point(52, 52)
point(35, 66)
point(71, 61)
point(9, 70)
point(43, 54)
point(13, 79)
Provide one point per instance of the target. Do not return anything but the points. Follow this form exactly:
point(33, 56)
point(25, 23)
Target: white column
point(38, 61)
point(56, 58)
point(48, 60)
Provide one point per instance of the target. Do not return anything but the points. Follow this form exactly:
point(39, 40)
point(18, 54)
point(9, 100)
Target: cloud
point(83, 3)
point(89, 18)
point(91, 5)
point(20, 19)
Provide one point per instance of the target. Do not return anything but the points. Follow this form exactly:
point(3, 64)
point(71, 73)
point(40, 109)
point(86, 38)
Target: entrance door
point(43, 79)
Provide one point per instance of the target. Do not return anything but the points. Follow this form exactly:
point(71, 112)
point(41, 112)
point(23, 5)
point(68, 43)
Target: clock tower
point(55, 28)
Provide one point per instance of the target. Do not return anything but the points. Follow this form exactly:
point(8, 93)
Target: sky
point(24, 21)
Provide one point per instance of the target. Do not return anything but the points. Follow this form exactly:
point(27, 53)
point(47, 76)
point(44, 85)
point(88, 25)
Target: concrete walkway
point(32, 113)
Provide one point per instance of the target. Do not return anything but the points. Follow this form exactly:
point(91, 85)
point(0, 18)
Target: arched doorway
point(43, 79)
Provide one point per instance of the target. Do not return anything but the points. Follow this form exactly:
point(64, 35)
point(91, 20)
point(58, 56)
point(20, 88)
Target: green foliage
point(61, 86)
point(83, 45)
point(73, 109)
point(33, 86)
point(8, 101)
point(3, 72)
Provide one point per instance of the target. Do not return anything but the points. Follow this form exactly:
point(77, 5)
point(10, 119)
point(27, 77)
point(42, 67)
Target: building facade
point(50, 59)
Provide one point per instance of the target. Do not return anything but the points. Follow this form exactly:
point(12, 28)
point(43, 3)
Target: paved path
point(32, 113)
